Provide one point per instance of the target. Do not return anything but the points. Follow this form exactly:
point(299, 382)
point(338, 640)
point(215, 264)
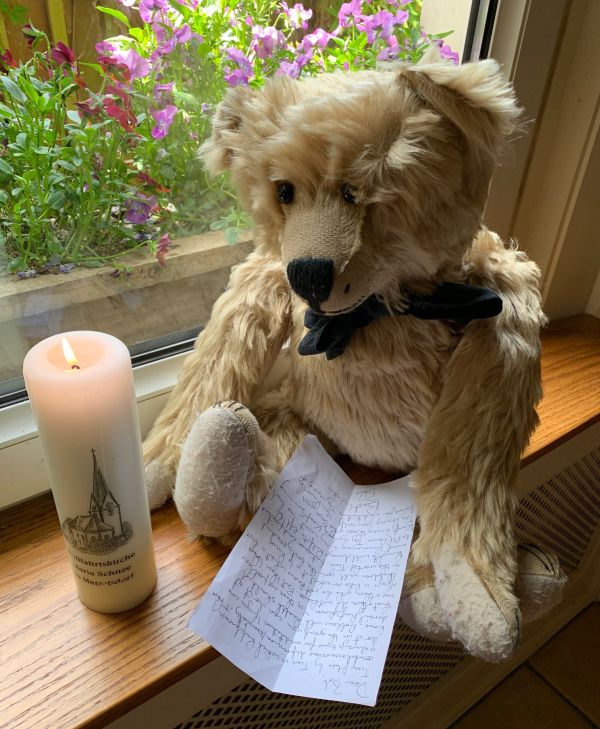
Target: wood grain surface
point(571, 379)
point(64, 666)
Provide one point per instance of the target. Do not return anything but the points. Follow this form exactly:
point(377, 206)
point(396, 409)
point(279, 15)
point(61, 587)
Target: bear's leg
point(538, 588)
point(229, 461)
point(420, 606)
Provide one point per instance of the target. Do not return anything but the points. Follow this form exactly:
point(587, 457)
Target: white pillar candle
point(85, 409)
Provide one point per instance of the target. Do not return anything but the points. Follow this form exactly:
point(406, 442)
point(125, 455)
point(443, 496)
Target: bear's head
point(366, 182)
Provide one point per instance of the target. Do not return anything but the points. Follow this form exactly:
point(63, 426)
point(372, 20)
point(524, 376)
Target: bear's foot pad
point(216, 464)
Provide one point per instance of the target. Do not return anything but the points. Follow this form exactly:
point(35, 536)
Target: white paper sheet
point(306, 601)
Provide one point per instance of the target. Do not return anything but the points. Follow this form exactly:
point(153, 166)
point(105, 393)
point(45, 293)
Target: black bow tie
point(456, 302)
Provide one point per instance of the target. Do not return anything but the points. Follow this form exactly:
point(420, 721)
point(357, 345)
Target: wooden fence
point(78, 24)
point(74, 22)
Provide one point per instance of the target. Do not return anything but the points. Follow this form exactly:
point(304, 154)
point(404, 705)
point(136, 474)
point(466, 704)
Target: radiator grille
point(413, 664)
point(561, 514)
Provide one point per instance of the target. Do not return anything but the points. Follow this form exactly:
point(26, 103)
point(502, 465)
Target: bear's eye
point(285, 192)
point(347, 193)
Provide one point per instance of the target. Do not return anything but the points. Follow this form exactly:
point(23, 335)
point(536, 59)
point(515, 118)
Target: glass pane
point(108, 218)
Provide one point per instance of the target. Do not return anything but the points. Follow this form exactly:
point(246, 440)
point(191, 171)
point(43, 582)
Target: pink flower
point(7, 61)
point(164, 49)
point(125, 117)
point(104, 48)
point(447, 52)
point(298, 16)
point(318, 39)
point(353, 8)
point(149, 9)
point(32, 35)
point(265, 41)
point(62, 54)
point(137, 66)
point(371, 23)
point(293, 69)
point(164, 119)
point(168, 43)
point(86, 109)
point(241, 75)
point(391, 49)
point(138, 209)
point(159, 28)
point(183, 34)
point(160, 90)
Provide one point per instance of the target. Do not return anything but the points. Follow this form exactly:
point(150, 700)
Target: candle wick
point(75, 367)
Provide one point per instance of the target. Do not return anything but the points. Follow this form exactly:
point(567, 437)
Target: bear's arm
point(233, 354)
point(478, 429)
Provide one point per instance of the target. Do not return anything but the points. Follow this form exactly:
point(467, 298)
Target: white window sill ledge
point(21, 460)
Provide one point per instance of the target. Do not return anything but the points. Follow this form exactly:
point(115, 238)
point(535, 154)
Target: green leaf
point(3, 198)
point(66, 165)
point(127, 232)
point(5, 167)
point(14, 265)
point(12, 89)
point(95, 66)
point(55, 246)
point(114, 13)
point(74, 116)
point(41, 86)
point(21, 140)
point(185, 99)
point(5, 112)
point(137, 33)
point(56, 199)
point(232, 235)
point(167, 172)
point(29, 88)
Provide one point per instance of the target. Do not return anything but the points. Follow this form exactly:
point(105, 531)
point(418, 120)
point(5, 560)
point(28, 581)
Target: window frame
point(517, 25)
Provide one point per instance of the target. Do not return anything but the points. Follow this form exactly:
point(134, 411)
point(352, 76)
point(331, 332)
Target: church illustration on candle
point(102, 530)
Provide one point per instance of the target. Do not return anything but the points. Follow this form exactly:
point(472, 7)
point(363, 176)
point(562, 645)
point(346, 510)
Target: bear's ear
point(473, 96)
point(217, 151)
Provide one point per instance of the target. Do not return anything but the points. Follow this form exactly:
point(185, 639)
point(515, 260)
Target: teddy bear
point(410, 331)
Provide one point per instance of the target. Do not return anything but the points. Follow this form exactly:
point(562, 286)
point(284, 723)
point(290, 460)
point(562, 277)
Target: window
point(158, 309)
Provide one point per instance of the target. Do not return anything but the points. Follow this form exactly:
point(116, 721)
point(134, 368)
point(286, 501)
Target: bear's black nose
point(311, 278)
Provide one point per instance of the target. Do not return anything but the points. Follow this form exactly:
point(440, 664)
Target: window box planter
point(151, 302)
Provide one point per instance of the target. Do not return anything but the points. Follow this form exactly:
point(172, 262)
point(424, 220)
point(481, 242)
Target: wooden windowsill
point(63, 665)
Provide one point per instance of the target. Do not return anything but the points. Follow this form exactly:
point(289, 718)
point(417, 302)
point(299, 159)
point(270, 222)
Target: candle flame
point(69, 354)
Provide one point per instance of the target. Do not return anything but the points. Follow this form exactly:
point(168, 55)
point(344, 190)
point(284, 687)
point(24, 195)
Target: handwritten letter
point(306, 601)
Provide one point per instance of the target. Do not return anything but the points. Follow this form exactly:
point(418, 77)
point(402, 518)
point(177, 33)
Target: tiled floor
point(558, 688)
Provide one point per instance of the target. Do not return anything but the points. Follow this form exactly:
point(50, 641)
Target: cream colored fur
point(417, 146)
